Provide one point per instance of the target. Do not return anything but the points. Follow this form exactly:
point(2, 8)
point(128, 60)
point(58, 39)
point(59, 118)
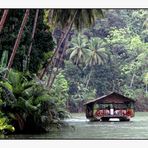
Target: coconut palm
point(97, 55)
point(79, 49)
point(63, 17)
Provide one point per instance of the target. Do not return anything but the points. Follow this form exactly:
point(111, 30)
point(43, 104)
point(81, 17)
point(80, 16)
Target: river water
point(81, 128)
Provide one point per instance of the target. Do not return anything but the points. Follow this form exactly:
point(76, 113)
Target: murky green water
point(137, 128)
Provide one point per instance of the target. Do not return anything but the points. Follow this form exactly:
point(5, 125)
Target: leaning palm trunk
point(54, 54)
point(18, 39)
point(59, 46)
point(32, 37)
point(53, 66)
point(61, 56)
point(52, 77)
point(3, 19)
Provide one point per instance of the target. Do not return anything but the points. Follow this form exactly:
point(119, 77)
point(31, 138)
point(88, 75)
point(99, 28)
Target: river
point(81, 128)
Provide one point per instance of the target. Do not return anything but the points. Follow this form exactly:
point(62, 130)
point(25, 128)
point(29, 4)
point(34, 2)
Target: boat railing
point(117, 112)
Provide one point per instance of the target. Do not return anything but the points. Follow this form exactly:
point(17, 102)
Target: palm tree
point(84, 17)
point(66, 19)
point(3, 19)
point(79, 49)
point(18, 39)
point(97, 55)
point(32, 37)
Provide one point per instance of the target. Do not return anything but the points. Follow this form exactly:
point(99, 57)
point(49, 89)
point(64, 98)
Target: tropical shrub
point(29, 105)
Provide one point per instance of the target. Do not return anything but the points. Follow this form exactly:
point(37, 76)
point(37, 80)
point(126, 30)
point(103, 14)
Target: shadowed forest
point(54, 60)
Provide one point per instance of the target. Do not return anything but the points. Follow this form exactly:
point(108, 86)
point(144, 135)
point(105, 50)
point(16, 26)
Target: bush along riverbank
point(26, 105)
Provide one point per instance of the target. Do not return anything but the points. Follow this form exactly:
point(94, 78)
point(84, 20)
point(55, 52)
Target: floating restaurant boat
point(110, 106)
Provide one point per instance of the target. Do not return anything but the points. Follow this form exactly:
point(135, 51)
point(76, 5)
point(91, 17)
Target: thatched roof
point(103, 97)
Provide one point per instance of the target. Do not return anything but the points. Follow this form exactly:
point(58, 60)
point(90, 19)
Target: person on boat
point(111, 109)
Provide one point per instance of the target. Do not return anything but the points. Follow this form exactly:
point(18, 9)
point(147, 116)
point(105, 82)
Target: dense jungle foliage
point(72, 56)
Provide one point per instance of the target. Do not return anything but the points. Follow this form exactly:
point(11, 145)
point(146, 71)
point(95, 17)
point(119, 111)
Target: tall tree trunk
point(32, 37)
point(89, 78)
point(146, 88)
point(3, 19)
point(18, 39)
point(61, 56)
point(113, 86)
point(132, 81)
point(59, 45)
point(55, 64)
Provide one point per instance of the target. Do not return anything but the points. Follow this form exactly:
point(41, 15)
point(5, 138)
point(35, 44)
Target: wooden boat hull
point(108, 117)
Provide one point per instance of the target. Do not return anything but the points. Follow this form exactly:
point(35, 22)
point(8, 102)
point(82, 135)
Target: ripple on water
point(137, 128)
